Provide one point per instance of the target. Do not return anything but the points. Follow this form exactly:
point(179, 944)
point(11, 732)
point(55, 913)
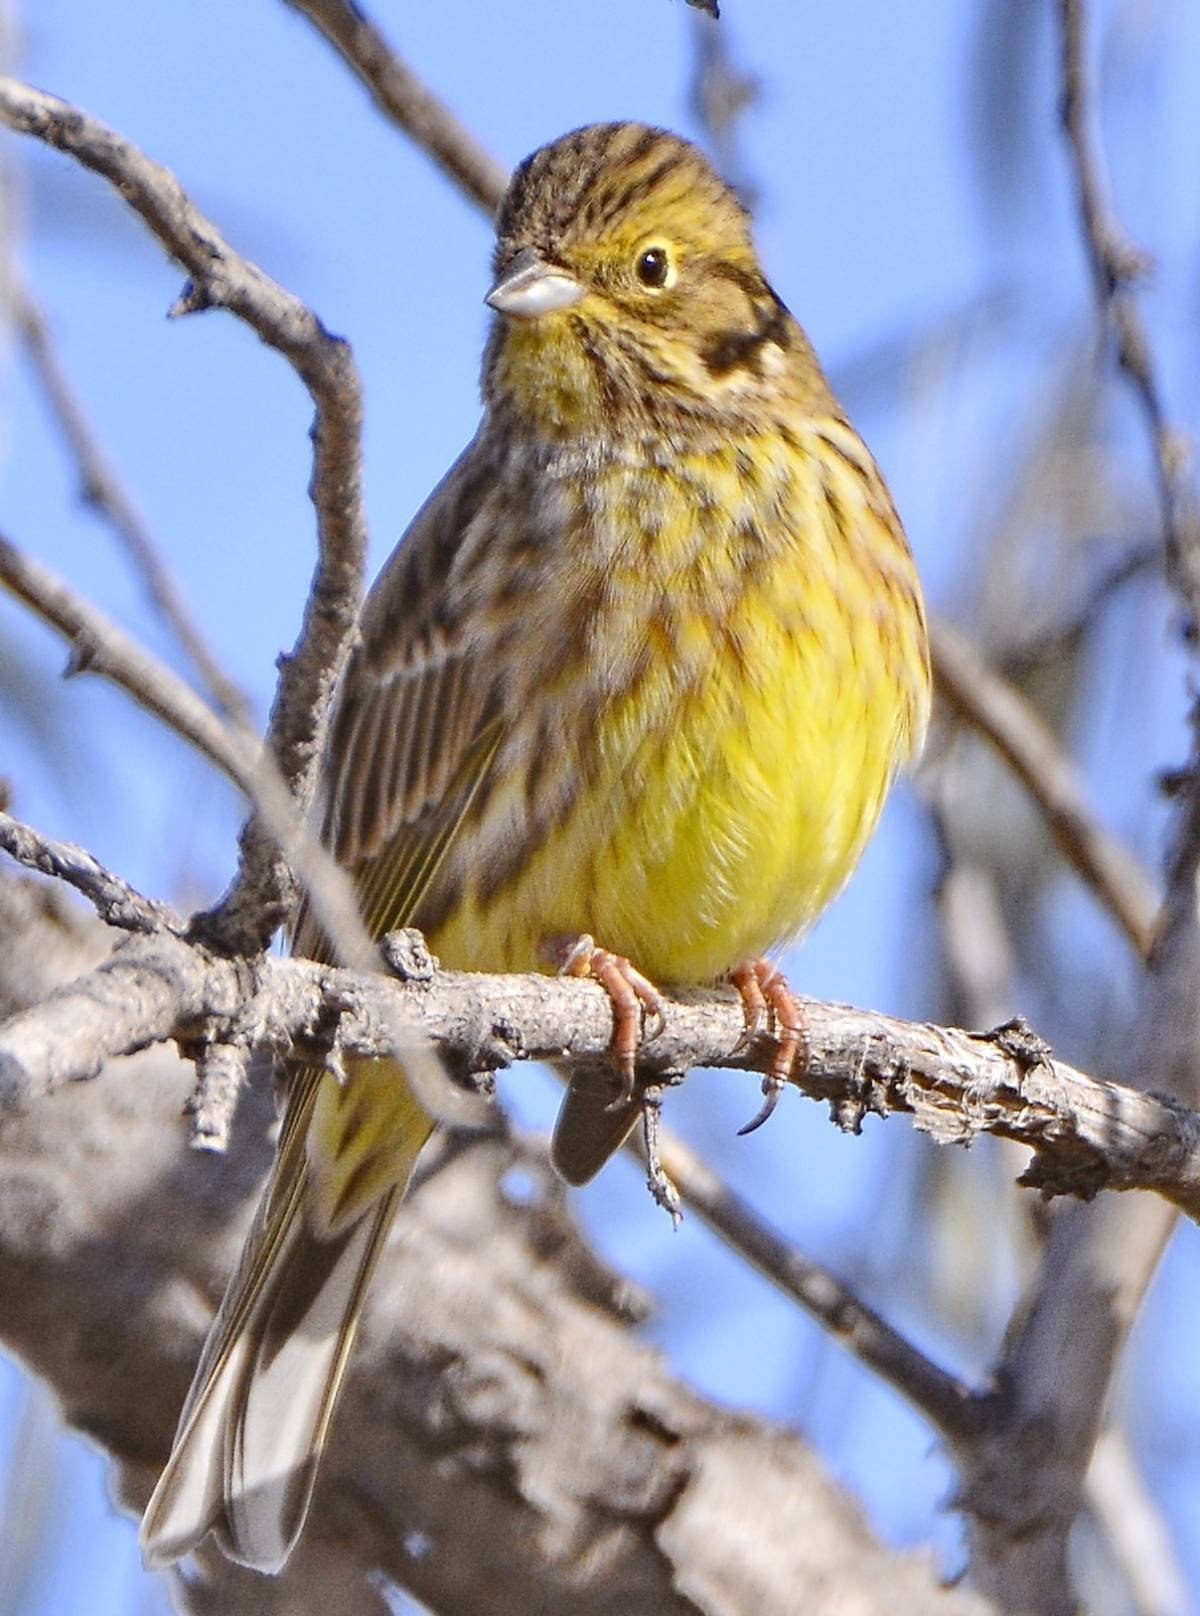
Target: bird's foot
point(764, 992)
point(631, 994)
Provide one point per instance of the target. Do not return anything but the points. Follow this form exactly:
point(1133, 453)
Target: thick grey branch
point(956, 1085)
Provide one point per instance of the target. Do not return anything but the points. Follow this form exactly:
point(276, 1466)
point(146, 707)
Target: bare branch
point(102, 490)
point(1022, 1482)
point(950, 1405)
point(99, 646)
point(956, 1085)
point(114, 900)
point(221, 1070)
point(1118, 265)
point(410, 104)
point(998, 711)
point(719, 96)
point(263, 892)
point(1135, 1530)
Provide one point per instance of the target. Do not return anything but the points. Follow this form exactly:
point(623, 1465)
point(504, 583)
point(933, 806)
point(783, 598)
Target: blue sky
point(916, 213)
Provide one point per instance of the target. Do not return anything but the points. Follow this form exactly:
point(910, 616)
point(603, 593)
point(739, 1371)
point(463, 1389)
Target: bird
point(625, 702)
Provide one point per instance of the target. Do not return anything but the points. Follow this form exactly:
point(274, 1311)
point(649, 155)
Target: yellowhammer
point(642, 670)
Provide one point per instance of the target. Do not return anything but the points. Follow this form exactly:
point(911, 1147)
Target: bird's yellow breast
point(740, 670)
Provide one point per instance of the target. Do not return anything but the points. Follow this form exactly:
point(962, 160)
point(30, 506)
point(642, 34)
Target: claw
point(764, 990)
point(772, 1088)
point(631, 994)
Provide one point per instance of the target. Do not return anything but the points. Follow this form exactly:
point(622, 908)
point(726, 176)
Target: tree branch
point(950, 1405)
point(956, 1085)
point(999, 711)
point(508, 1444)
point(99, 646)
point(263, 892)
point(114, 900)
point(102, 490)
point(1023, 1478)
point(410, 104)
point(1118, 266)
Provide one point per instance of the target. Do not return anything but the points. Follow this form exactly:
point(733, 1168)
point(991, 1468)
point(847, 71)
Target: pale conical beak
point(529, 286)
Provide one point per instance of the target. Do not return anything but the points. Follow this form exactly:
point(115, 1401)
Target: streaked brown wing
point(417, 725)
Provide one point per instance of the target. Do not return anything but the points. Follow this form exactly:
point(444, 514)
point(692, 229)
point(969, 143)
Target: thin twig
point(221, 1071)
point(951, 1405)
point(1118, 266)
point(1058, 640)
point(103, 491)
point(719, 96)
point(410, 104)
point(263, 892)
point(998, 711)
point(98, 645)
point(113, 899)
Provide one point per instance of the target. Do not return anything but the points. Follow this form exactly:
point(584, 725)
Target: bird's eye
point(653, 267)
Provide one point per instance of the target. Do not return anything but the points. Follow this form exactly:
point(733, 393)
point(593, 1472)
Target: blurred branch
point(1002, 714)
point(263, 892)
point(410, 104)
point(99, 646)
point(1065, 636)
point(957, 1086)
point(1023, 1480)
point(1118, 265)
point(1134, 1529)
point(950, 1405)
point(102, 490)
point(719, 96)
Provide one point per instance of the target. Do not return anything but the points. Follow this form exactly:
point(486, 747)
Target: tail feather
point(246, 1456)
point(255, 1423)
point(593, 1123)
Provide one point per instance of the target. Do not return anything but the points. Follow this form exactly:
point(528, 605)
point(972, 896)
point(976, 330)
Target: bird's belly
point(706, 822)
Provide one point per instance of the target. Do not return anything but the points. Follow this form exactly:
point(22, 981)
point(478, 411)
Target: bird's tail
point(256, 1419)
point(593, 1122)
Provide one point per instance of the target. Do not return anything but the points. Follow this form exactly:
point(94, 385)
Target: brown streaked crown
point(580, 188)
point(694, 332)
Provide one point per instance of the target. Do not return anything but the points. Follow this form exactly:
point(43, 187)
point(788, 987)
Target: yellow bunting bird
point(642, 671)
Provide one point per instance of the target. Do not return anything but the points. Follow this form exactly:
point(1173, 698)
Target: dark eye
point(653, 266)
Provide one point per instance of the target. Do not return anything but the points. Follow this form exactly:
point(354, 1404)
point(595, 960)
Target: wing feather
point(418, 723)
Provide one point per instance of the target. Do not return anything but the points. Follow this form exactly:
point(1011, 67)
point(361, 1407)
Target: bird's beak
point(528, 286)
